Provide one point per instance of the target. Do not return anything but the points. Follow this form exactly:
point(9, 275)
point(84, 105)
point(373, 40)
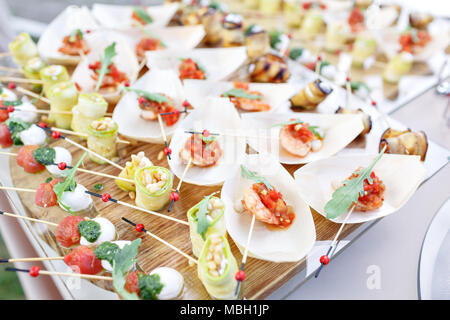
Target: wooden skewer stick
point(101, 174)
point(348, 91)
point(167, 150)
point(244, 257)
point(324, 260)
point(31, 259)
point(13, 70)
point(174, 196)
point(383, 115)
point(20, 80)
point(17, 189)
point(142, 229)
point(5, 54)
point(318, 65)
point(63, 274)
point(28, 218)
point(32, 94)
point(80, 134)
point(106, 197)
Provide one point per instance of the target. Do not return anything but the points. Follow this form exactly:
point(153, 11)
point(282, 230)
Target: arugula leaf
point(344, 197)
point(142, 14)
point(107, 251)
point(123, 260)
point(89, 229)
point(295, 53)
point(252, 175)
point(240, 93)
point(68, 184)
point(45, 155)
point(16, 126)
point(158, 97)
point(149, 286)
point(105, 60)
point(249, 30)
point(203, 223)
point(74, 34)
point(315, 132)
point(287, 123)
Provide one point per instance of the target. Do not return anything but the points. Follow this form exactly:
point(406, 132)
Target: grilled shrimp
point(292, 144)
point(254, 205)
point(249, 104)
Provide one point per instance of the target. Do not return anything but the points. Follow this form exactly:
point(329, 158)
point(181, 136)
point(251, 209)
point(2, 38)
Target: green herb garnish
point(249, 30)
point(48, 179)
point(315, 132)
point(143, 15)
point(295, 53)
point(13, 103)
point(356, 85)
point(298, 121)
point(240, 93)
point(252, 175)
point(158, 97)
point(45, 155)
point(89, 229)
point(98, 187)
point(107, 251)
point(203, 223)
point(149, 286)
point(74, 34)
point(68, 184)
point(105, 61)
point(343, 198)
point(123, 260)
point(16, 126)
point(199, 66)
point(275, 38)
point(323, 64)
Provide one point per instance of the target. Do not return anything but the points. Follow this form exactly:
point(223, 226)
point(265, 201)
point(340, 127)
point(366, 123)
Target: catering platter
point(162, 109)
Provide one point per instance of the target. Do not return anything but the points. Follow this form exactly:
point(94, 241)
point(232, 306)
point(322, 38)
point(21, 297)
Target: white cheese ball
point(34, 135)
point(77, 200)
point(23, 114)
point(173, 283)
point(121, 243)
point(61, 155)
point(7, 95)
point(107, 232)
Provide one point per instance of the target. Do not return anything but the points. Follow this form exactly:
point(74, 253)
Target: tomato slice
point(5, 136)
point(132, 283)
point(4, 114)
point(83, 260)
point(45, 196)
point(67, 233)
point(25, 159)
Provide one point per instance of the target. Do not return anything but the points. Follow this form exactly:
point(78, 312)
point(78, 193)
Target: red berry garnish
point(374, 103)
point(62, 165)
point(77, 86)
point(347, 79)
point(126, 84)
point(142, 100)
point(306, 5)
point(56, 134)
point(176, 112)
point(174, 196)
point(91, 66)
point(139, 227)
point(106, 197)
point(42, 124)
point(88, 31)
point(319, 58)
point(185, 103)
point(324, 260)
point(167, 151)
point(323, 6)
point(10, 109)
point(11, 85)
point(289, 35)
point(34, 271)
point(205, 133)
point(240, 275)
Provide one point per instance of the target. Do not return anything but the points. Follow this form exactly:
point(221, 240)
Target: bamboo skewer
point(13, 70)
point(241, 273)
point(32, 94)
point(174, 196)
point(17, 189)
point(167, 150)
point(5, 54)
point(383, 115)
point(20, 80)
point(83, 134)
point(64, 274)
point(28, 218)
point(333, 243)
point(142, 229)
point(31, 259)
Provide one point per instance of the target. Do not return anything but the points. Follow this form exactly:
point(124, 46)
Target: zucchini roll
point(102, 139)
point(212, 23)
point(138, 161)
point(270, 68)
point(153, 187)
point(310, 96)
point(257, 42)
point(90, 107)
point(209, 212)
point(397, 67)
point(405, 142)
point(217, 268)
point(51, 75)
point(63, 96)
point(31, 70)
point(233, 35)
point(23, 49)
point(312, 24)
point(364, 47)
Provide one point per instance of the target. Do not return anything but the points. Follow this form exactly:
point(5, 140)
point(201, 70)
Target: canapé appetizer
point(204, 151)
point(366, 119)
point(397, 67)
point(90, 107)
point(232, 32)
point(190, 69)
point(413, 40)
point(363, 48)
point(23, 49)
point(31, 70)
point(270, 68)
point(63, 96)
point(312, 95)
point(153, 187)
point(257, 41)
point(420, 20)
point(138, 161)
point(245, 99)
point(74, 44)
point(300, 138)
point(102, 139)
point(148, 43)
point(405, 142)
point(52, 75)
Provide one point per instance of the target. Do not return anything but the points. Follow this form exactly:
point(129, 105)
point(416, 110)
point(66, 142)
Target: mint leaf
point(74, 34)
point(252, 175)
point(123, 260)
point(275, 38)
point(343, 198)
point(105, 61)
point(240, 93)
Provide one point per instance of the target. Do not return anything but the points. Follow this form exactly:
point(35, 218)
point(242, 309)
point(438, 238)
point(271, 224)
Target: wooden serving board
point(263, 277)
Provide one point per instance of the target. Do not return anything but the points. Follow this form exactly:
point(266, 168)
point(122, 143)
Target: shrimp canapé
point(150, 108)
point(148, 44)
point(205, 152)
point(245, 99)
point(299, 138)
point(74, 44)
point(189, 69)
point(373, 197)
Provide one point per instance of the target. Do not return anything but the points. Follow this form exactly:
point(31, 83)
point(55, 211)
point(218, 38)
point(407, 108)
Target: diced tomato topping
point(301, 131)
point(189, 69)
point(241, 85)
point(5, 136)
point(73, 48)
point(113, 76)
point(132, 283)
point(67, 233)
point(25, 159)
point(355, 19)
point(148, 44)
point(83, 260)
point(4, 113)
point(45, 196)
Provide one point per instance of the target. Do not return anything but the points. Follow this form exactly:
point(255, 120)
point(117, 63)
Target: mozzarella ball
point(107, 232)
point(77, 200)
point(61, 155)
point(173, 283)
point(23, 114)
point(34, 135)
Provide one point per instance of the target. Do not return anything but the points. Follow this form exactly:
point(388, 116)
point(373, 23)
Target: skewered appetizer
point(137, 162)
point(257, 41)
point(190, 69)
point(63, 96)
point(270, 68)
point(337, 36)
point(206, 218)
point(31, 70)
point(83, 260)
point(300, 138)
point(405, 142)
point(23, 49)
point(192, 15)
point(363, 48)
point(312, 24)
point(90, 107)
point(245, 99)
point(23, 133)
point(397, 67)
point(365, 118)
point(7, 95)
point(52, 75)
point(212, 23)
point(217, 268)
point(34, 159)
point(204, 151)
point(232, 33)
point(413, 40)
point(74, 44)
point(140, 16)
point(148, 44)
point(102, 139)
point(153, 187)
point(312, 95)
point(420, 20)
point(26, 113)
